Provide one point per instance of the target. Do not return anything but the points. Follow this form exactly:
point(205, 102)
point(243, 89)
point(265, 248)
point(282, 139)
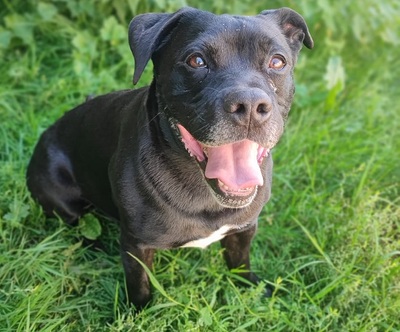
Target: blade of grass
point(315, 243)
point(156, 284)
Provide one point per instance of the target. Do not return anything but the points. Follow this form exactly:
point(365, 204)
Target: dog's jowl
point(187, 160)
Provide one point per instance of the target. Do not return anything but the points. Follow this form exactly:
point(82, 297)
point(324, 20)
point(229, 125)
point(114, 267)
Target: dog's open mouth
point(231, 170)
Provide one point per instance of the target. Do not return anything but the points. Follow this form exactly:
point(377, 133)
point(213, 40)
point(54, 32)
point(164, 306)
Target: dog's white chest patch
point(213, 237)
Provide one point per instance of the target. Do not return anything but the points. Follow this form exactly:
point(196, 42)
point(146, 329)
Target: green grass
point(329, 239)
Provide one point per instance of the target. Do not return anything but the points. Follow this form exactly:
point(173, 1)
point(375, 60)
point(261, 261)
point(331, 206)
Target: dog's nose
point(253, 105)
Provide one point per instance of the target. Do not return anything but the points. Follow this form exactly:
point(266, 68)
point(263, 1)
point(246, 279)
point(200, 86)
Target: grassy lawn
point(329, 239)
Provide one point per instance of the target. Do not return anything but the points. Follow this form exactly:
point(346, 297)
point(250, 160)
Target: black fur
point(122, 152)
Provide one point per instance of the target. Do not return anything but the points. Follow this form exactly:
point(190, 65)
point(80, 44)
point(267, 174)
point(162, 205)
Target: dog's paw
point(269, 291)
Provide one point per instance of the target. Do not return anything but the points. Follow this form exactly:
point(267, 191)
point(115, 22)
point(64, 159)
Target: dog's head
point(225, 84)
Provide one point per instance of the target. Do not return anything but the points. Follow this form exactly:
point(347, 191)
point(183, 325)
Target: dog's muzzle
point(232, 170)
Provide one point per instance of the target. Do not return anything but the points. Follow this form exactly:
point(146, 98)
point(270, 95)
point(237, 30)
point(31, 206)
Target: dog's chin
point(230, 198)
point(235, 185)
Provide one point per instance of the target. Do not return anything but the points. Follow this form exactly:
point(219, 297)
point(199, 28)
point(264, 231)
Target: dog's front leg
point(137, 281)
point(237, 252)
point(237, 255)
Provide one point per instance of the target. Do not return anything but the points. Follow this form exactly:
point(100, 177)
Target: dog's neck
point(160, 127)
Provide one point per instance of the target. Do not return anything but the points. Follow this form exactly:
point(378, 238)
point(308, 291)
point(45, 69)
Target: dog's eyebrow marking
point(213, 237)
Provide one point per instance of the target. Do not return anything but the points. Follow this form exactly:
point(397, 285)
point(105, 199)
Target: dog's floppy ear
point(293, 26)
point(147, 32)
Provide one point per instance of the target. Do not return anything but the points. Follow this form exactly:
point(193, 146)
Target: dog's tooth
point(223, 186)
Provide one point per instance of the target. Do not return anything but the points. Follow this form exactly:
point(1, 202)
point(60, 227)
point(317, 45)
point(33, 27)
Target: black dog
point(186, 161)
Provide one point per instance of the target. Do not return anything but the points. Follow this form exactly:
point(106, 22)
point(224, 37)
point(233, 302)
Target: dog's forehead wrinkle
point(233, 31)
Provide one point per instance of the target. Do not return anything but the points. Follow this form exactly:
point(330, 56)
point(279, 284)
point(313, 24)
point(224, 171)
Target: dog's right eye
point(277, 62)
point(196, 61)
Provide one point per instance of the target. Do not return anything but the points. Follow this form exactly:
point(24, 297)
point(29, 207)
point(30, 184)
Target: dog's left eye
point(196, 61)
point(277, 62)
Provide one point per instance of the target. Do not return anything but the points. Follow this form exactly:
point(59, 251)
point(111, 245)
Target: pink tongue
point(235, 164)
